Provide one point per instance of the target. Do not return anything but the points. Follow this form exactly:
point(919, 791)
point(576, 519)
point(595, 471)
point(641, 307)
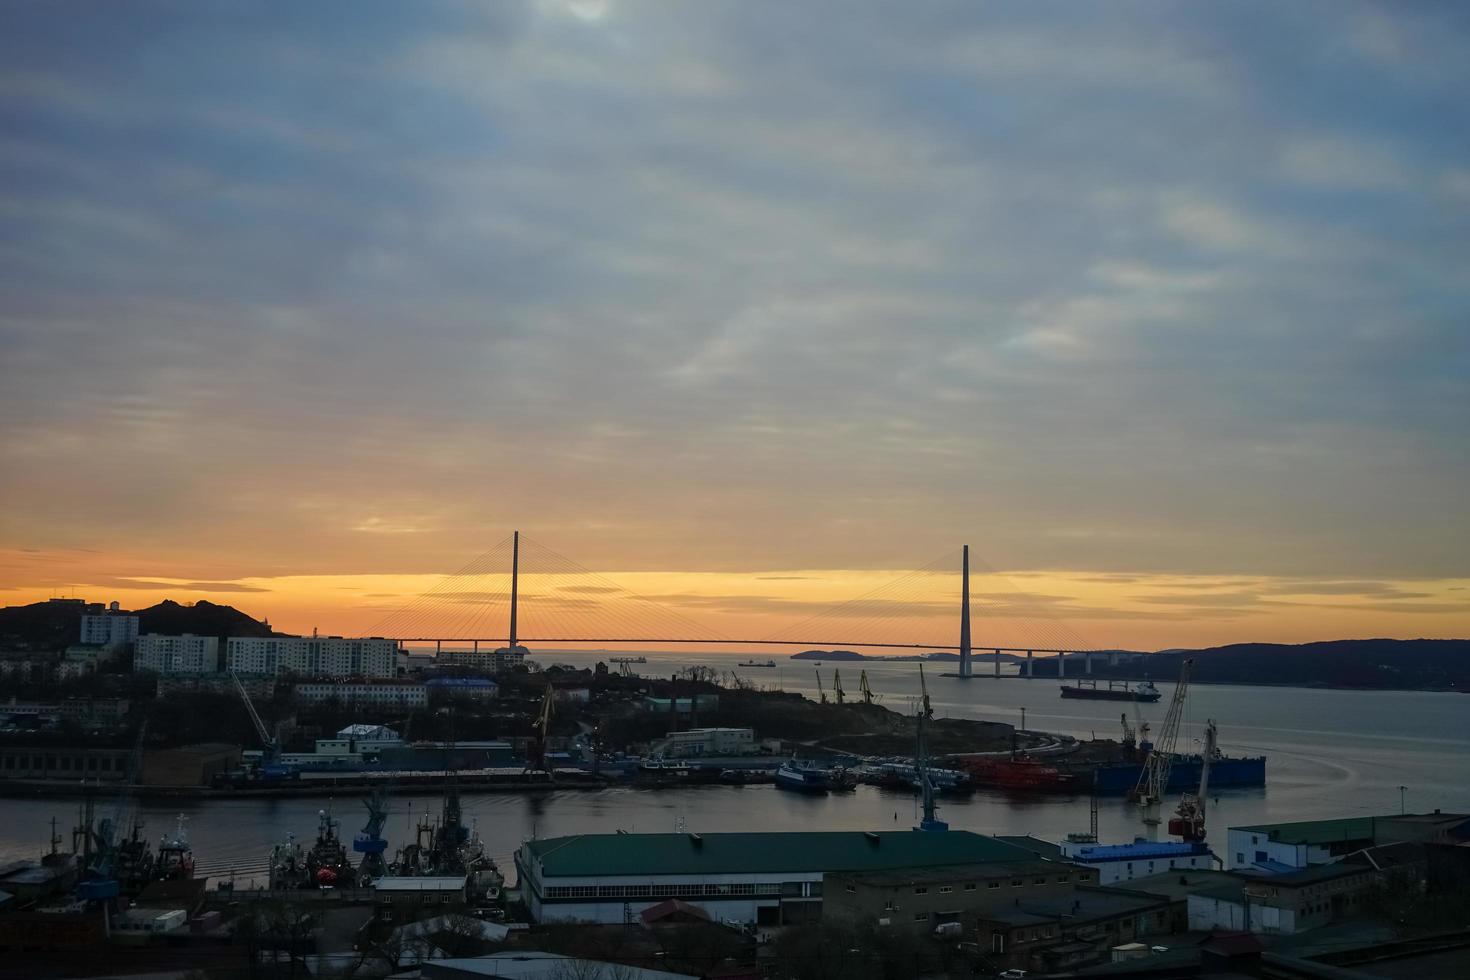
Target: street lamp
point(1401, 799)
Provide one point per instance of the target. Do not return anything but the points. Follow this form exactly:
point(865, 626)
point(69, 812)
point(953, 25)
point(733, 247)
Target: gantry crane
point(837, 685)
point(1153, 781)
point(1189, 824)
point(921, 760)
point(864, 688)
point(821, 692)
point(1130, 736)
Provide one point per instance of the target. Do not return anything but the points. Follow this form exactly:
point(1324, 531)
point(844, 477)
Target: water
point(1330, 753)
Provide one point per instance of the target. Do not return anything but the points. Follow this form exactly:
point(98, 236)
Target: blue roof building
point(1124, 862)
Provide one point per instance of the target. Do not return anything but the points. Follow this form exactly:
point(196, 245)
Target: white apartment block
point(312, 656)
point(375, 695)
point(497, 660)
point(187, 654)
point(111, 630)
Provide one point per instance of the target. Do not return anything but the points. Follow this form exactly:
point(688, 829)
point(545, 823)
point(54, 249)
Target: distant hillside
point(202, 618)
point(56, 623)
point(827, 655)
point(1377, 663)
point(46, 626)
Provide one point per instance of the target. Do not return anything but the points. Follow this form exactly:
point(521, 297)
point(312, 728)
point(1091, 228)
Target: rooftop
point(1080, 906)
point(420, 884)
point(532, 965)
point(755, 853)
point(1139, 850)
point(1315, 831)
point(957, 872)
point(1177, 885)
point(1043, 848)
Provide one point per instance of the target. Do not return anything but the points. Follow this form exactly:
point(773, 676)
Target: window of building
point(1039, 881)
point(921, 891)
point(945, 889)
point(1239, 858)
point(920, 916)
point(851, 889)
point(969, 886)
point(889, 907)
point(1016, 882)
point(992, 884)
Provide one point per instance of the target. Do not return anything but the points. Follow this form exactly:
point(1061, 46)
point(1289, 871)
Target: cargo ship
point(756, 663)
point(1115, 691)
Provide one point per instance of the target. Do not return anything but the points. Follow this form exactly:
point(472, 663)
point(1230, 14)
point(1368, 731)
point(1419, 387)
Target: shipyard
point(636, 490)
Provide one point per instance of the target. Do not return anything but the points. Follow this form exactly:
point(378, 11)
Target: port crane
point(1130, 736)
point(921, 760)
point(1153, 781)
point(821, 692)
point(837, 686)
point(1189, 821)
point(269, 767)
point(102, 844)
point(536, 761)
point(369, 841)
point(867, 691)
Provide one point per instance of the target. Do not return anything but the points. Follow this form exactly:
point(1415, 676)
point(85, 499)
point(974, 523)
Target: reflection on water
point(1331, 753)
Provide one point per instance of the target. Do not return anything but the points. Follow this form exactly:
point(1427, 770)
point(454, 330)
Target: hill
point(1371, 663)
point(56, 623)
point(203, 618)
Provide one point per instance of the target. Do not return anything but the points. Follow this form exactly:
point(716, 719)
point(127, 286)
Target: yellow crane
point(536, 760)
point(837, 685)
point(863, 686)
point(821, 692)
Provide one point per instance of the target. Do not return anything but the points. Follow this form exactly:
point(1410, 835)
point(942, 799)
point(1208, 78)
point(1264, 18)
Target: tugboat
point(1115, 691)
point(803, 776)
point(327, 863)
point(175, 856)
point(449, 848)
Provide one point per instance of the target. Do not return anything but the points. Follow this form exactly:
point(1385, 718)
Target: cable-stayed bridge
point(521, 592)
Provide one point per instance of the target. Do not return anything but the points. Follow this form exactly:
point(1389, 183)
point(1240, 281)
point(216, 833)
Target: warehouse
point(768, 879)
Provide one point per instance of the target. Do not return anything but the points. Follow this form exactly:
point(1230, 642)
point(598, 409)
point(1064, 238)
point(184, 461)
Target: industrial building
point(696, 742)
point(1140, 859)
point(1061, 931)
point(1285, 903)
point(1284, 847)
point(312, 656)
point(186, 654)
point(388, 695)
point(494, 661)
point(922, 899)
point(763, 878)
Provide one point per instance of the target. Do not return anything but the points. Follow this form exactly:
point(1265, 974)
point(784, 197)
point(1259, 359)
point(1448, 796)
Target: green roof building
point(763, 878)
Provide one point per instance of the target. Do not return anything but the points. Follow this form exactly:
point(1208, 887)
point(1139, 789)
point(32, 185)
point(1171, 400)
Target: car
point(1011, 974)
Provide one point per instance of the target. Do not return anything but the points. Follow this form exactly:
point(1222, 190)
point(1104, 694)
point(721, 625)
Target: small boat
point(175, 856)
point(756, 663)
point(1115, 691)
point(804, 776)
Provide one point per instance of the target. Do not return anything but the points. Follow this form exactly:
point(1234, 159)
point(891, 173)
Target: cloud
point(172, 586)
point(823, 286)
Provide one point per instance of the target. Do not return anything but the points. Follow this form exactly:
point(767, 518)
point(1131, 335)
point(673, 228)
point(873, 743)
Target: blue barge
point(1118, 778)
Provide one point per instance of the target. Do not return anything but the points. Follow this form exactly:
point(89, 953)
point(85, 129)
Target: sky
point(1160, 307)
